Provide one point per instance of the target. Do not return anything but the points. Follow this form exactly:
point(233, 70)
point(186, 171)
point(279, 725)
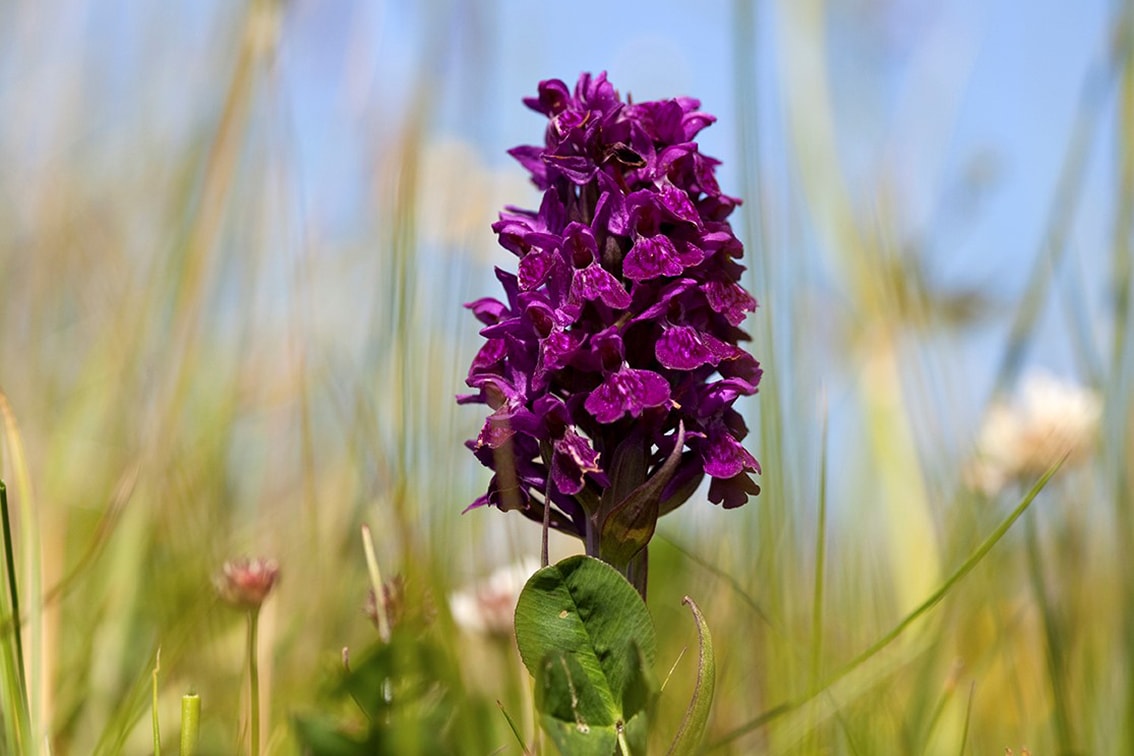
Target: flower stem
point(638, 570)
point(591, 537)
point(254, 681)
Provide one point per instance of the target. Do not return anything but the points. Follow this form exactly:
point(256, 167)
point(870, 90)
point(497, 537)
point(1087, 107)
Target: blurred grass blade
point(154, 705)
point(820, 553)
point(935, 598)
point(33, 693)
point(131, 707)
point(968, 719)
point(512, 726)
point(103, 530)
point(1054, 640)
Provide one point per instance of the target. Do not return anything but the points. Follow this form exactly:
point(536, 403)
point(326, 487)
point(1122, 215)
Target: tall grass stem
point(376, 585)
point(1053, 639)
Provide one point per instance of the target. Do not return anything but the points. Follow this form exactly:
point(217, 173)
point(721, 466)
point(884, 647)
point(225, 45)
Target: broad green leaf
point(573, 712)
point(585, 635)
point(583, 606)
point(692, 730)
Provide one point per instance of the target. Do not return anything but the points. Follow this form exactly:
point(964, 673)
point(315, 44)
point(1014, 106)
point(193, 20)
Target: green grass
point(192, 370)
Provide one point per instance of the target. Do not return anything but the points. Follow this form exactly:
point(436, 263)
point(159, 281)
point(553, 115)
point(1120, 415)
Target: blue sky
point(943, 90)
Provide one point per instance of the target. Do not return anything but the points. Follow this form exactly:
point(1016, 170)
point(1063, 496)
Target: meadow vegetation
point(192, 370)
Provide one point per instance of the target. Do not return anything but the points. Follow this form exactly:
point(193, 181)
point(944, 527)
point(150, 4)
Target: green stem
point(254, 681)
point(638, 571)
point(190, 723)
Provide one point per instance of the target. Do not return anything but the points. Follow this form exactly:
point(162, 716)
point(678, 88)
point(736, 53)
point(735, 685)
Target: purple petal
point(595, 282)
point(695, 121)
point(669, 292)
point(493, 351)
point(686, 348)
point(557, 349)
point(730, 300)
point(732, 492)
point(531, 158)
point(676, 202)
point(651, 257)
point(488, 310)
point(608, 347)
point(577, 168)
point(627, 391)
point(743, 367)
point(612, 201)
point(494, 433)
point(572, 457)
point(596, 92)
point(724, 456)
point(579, 244)
point(534, 268)
point(689, 254)
point(553, 97)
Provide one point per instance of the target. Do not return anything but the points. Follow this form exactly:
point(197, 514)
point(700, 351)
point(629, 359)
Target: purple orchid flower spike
point(612, 365)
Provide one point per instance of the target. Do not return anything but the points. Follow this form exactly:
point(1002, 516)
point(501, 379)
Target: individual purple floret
point(613, 363)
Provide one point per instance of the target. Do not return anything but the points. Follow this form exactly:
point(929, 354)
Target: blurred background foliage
point(234, 242)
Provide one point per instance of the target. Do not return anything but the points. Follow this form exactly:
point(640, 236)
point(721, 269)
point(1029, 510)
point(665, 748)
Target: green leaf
point(573, 711)
point(585, 635)
point(583, 606)
point(693, 725)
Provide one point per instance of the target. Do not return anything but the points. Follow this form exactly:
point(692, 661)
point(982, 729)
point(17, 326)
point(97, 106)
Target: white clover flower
point(1021, 439)
point(489, 605)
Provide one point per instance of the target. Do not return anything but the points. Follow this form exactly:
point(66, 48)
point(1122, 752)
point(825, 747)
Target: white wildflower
point(1022, 439)
point(488, 606)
